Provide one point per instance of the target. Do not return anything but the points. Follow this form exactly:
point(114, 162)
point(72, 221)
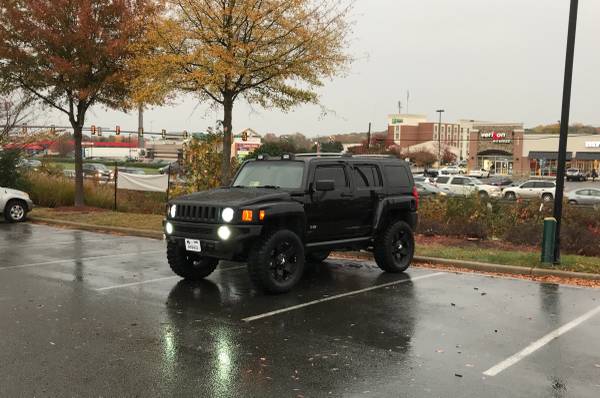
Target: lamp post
point(440, 111)
point(564, 127)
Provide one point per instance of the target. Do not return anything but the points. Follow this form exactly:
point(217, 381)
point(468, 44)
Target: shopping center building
point(502, 148)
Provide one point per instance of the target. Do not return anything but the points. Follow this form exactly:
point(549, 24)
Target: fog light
point(227, 214)
point(169, 228)
point(224, 232)
point(173, 211)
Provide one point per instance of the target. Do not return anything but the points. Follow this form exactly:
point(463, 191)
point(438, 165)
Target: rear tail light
point(415, 193)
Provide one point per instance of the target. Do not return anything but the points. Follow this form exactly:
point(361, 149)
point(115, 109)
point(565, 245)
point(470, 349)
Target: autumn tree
point(202, 162)
point(448, 157)
point(71, 55)
point(273, 53)
point(15, 110)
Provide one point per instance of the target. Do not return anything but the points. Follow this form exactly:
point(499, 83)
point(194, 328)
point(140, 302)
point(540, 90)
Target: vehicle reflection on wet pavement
point(87, 314)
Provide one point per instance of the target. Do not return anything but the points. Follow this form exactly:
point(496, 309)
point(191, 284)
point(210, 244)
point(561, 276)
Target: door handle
point(347, 195)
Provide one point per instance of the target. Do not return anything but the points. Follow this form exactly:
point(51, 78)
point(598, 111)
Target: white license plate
point(192, 245)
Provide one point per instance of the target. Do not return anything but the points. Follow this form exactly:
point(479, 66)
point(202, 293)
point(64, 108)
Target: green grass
point(518, 258)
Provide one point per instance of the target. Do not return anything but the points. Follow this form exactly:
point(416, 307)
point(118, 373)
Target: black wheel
point(483, 195)
point(15, 211)
point(276, 262)
point(510, 196)
point(572, 202)
point(189, 265)
point(395, 247)
point(547, 197)
point(318, 257)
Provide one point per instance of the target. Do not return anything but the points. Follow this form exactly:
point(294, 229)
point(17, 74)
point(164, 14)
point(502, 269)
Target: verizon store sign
point(592, 144)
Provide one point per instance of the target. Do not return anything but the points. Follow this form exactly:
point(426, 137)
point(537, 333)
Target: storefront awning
point(587, 156)
point(548, 155)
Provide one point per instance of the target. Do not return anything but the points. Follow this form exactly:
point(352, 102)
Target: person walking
point(594, 175)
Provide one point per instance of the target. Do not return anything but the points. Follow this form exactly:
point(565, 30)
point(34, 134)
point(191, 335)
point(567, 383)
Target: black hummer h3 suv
point(279, 213)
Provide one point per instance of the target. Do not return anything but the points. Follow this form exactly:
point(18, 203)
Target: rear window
point(442, 180)
point(397, 177)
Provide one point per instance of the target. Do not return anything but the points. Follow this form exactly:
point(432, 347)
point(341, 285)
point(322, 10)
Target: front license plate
point(192, 245)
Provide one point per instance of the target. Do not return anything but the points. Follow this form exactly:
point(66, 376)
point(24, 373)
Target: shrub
point(10, 174)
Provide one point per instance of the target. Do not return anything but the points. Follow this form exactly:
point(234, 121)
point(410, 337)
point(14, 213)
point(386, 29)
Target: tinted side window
point(528, 185)
point(442, 180)
point(366, 176)
point(335, 173)
point(397, 177)
point(458, 181)
point(584, 192)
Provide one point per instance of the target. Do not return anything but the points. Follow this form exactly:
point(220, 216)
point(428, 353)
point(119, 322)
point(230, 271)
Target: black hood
point(234, 197)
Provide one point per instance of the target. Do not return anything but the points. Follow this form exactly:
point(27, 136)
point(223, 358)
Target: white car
point(481, 173)
point(451, 170)
point(459, 185)
point(14, 204)
point(533, 189)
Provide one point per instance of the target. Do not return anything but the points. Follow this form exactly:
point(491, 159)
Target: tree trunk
point(227, 136)
point(79, 199)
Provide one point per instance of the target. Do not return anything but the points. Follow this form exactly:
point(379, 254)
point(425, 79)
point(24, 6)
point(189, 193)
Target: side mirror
point(325, 185)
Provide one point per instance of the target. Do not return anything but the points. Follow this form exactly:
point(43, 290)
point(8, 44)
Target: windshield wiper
point(269, 186)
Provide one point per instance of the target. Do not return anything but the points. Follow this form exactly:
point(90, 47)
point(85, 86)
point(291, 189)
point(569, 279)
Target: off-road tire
point(317, 257)
point(264, 261)
point(386, 249)
point(190, 266)
point(15, 211)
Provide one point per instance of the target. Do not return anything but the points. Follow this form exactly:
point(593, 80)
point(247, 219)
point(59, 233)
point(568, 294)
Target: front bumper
point(212, 246)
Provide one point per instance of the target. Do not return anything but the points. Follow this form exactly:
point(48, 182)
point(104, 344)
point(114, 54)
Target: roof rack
point(321, 154)
point(375, 156)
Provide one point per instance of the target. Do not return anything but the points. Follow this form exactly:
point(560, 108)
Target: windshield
point(100, 166)
point(476, 182)
point(273, 174)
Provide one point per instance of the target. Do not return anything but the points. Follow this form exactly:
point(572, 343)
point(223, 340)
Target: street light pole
point(564, 127)
point(440, 111)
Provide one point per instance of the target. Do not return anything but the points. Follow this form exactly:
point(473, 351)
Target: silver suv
point(532, 189)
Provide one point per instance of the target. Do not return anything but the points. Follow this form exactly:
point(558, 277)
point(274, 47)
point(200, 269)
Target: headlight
point(224, 232)
point(227, 214)
point(169, 228)
point(173, 211)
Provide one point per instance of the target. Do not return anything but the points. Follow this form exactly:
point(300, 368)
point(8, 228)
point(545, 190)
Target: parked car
point(585, 196)
point(131, 170)
point(14, 204)
point(429, 190)
point(532, 189)
point(432, 173)
point(501, 182)
point(277, 213)
point(451, 170)
point(175, 168)
point(481, 173)
point(29, 164)
point(69, 173)
point(576, 175)
point(460, 185)
point(97, 171)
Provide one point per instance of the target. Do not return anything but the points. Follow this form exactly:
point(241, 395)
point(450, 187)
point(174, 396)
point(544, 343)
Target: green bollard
point(548, 240)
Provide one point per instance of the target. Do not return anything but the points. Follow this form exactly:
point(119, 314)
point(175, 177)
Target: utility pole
point(440, 111)
point(564, 127)
point(140, 125)
point(369, 137)
point(407, 100)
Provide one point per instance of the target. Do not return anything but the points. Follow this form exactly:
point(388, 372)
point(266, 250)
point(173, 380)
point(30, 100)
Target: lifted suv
point(280, 212)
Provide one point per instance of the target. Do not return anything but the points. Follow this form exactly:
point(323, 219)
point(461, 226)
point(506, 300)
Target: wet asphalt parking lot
point(87, 314)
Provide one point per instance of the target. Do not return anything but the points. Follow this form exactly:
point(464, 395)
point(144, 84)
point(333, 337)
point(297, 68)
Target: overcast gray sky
point(499, 60)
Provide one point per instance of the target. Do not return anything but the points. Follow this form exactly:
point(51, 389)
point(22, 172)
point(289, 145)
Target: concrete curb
point(143, 233)
point(472, 265)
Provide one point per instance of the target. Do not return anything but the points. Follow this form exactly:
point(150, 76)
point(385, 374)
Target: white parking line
point(536, 345)
point(337, 296)
point(78, 259)
point(102, 289)
point(17, 246)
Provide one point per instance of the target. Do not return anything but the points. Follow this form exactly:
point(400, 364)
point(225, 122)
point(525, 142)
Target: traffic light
point(164, 134)
point(118, 130)
point(141, 132)
point(245, 136)
point(99, 131)
point(93, 129)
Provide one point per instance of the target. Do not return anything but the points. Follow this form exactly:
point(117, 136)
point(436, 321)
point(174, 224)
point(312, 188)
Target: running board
point(338, 243)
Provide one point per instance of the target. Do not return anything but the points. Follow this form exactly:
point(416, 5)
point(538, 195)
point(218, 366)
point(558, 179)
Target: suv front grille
point(208, 214)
